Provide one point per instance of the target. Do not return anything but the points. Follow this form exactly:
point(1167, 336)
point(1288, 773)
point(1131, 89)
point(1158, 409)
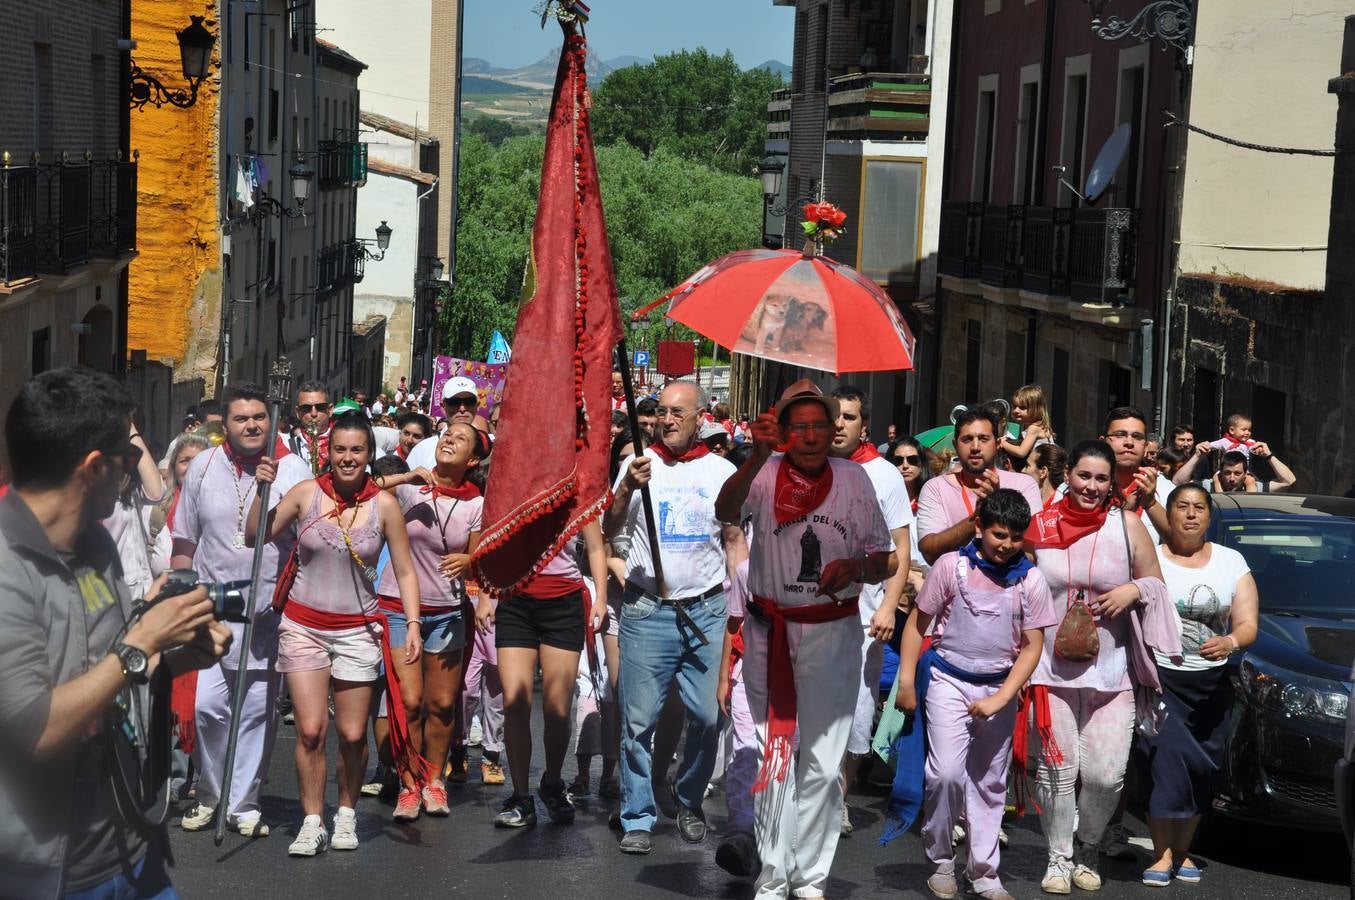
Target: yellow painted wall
point(175, 288)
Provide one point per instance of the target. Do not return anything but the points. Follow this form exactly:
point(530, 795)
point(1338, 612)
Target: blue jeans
point(654, 651)
point(149, 881)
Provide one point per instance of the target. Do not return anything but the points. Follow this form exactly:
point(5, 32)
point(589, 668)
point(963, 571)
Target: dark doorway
point(1205, 411)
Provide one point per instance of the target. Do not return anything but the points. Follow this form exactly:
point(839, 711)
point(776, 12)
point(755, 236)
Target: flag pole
point(279, 389)
point(651, 524)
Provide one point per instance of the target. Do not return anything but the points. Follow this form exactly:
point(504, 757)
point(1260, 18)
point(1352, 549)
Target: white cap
point(459, 385)
point(710, 430)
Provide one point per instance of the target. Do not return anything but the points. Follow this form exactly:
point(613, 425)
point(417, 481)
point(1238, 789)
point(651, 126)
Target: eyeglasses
point(304, 408)
point(677, 412)
point(1122, 435)
point(461, 403)
point(800, 429)
point(907, 460)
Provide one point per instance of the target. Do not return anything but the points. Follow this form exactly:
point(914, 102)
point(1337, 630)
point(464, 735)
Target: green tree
point(692, 103)
point(667, 216)
point(494, 131)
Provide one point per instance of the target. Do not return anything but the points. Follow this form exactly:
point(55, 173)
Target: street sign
point(641, 359)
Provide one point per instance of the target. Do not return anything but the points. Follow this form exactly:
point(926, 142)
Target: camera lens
point(229, 601)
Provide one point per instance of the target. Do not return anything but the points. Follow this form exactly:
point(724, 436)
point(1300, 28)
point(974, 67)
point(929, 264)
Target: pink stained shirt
point(941, 502)
point(437, 526)
point(990, 642)
point(328, 579)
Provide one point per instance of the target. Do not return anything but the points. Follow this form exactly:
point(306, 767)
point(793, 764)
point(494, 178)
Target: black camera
point(229, 603)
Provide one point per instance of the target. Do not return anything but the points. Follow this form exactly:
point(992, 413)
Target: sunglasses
point(461, 403)
point(907, 460)
point(304, 408)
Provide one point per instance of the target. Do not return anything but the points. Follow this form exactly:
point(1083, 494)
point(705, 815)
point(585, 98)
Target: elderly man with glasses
point(817, 537)
point(311, 440)
point(674, 630)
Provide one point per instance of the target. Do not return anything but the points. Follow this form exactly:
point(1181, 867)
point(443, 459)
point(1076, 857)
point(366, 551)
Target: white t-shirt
point(785, 561)
point(683, 495)
point(1203, 598)
point(897, 510)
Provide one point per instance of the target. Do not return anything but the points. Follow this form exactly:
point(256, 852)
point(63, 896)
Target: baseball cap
point(710, 430)
point(346, 405)
point(459, 385)
point(804, 389)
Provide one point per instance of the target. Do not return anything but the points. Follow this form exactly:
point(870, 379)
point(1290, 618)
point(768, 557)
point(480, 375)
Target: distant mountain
point(776, 67)
point(470, 65)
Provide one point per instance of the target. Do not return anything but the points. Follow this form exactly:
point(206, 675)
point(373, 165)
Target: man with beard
point(310, 441)
point(657, 645)
point(946, 519)
point(817, 536)
point(209, 536)
point(879, 603)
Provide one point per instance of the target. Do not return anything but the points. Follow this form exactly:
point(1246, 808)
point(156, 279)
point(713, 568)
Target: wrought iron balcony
point(62, 216)
point(342, 164)
point(1086, 254)
point(112, 207)
point(337, 266)
point(885, 105)
point(18, 222)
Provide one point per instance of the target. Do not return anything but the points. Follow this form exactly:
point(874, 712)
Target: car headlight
point(1317, 700)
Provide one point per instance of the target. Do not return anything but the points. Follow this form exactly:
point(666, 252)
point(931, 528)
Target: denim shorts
point(443, 633)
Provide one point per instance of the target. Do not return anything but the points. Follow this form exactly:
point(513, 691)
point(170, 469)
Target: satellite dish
point(1107, 162)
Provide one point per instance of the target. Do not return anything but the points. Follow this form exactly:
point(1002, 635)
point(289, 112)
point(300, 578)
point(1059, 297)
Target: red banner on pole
point(676, 358)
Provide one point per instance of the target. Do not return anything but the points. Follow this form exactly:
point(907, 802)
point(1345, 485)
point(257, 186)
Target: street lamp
point(301, 175)
point(383, 241)
point(195, 56)
point(1169, 21)
point(769, 172)
point(437, 268)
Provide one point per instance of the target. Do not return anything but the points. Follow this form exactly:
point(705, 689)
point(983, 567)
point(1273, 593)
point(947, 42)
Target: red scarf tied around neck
point(697, 450)
point(463, 491)
point(797, 492)
point(864, 453)
point(326, 483)
point(1062, 525)
point(240, 460)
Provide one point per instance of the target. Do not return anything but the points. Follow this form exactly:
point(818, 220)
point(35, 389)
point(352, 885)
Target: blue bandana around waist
point(910, 749)
point(1005, 574)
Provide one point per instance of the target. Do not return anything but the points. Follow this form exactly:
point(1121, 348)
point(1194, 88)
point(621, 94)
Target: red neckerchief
point(914, 503)
point(1234, 443)
point(402, 451)
point(169, 515)
point(463, 491)
point(319, 448)
point(240, 461)
point(1059, 526)
point(799, 493)
point(326, 483)
point(697, 450)
point(864, 453)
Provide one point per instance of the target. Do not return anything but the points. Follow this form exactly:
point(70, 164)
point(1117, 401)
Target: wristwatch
point(134, 662)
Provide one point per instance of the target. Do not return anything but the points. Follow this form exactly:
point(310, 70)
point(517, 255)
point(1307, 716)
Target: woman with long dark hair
point(1048, 464)
point(330, 637)
point(1107, 586)
point(1214, 594)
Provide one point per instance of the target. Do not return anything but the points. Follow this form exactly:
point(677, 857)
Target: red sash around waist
point(781, 708)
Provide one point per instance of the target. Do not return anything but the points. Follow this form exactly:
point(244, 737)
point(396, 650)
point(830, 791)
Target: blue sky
point(505, 32)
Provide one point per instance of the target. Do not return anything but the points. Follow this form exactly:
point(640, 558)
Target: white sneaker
point(252, 828)
point(846, 822)
point(957, 834)
point(311, 839)
point(197, 818)
point(477, 734)
point(1085, 876)
point(1056, 879)
point(345, 830)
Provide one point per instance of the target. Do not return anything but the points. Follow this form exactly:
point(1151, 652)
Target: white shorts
point(350, 655)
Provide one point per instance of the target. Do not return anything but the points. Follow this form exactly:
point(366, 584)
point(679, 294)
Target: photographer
point(73, 702)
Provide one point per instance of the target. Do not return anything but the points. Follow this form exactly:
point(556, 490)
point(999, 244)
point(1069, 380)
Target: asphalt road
point(464, 855)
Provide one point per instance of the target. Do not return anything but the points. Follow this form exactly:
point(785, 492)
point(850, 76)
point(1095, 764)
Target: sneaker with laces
point(556, 798)
point(476, 735)
point(198, 818)
point(1085, 876)
point(517, 812)
point(406, 805)
point(1115, 843)
point(345, 830)
point(957, 834)
point(311, 839)
point(1057, 878)
point(435, 799)
point(943, 885)
point(380, 779)
point(491, 772)
point(846, 822)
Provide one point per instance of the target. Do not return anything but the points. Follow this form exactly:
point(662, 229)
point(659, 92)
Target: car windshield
point(1304, 567)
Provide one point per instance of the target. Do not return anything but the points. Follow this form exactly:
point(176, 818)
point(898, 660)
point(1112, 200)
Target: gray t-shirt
point(100, 845)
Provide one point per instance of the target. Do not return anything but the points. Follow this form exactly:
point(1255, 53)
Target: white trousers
point(797, 821)
point(258, 728)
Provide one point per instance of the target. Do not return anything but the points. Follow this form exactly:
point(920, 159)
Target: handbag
point(1077, 639)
